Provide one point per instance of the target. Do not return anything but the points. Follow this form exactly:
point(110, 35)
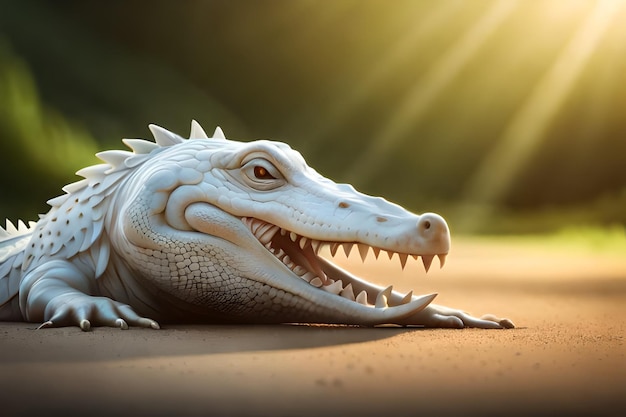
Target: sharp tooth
point(283, 232)
point(272, 230)
point(427, 260)
point(387, 291)
point(286, 259)
point(362, 298)
point(390, 253)
point(298, 270)
point(407, 298)
point(376, 252)
point(348, 292)
point(381, 302)
point(347, 248)
point(333, 249)
point(267, 234)
point(316, 282)
point(363, 250)
point(383, 296)
point(442, 260)
point(315, 244)
point(403, 258)
point(280, 254)
point(254, 225)
point(293, 236)
point(334, 288)
point(261, 228)
point(415, 257)
point(303, 242)
point(308, 276)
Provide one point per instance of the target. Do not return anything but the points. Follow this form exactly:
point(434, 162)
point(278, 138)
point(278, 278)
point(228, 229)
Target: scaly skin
point(213, 230)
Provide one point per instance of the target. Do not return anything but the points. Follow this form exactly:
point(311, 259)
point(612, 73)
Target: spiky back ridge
point(13, 240)
point(76, 219)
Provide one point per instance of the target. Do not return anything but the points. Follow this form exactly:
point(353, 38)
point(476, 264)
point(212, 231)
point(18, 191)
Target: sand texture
point(566, 357)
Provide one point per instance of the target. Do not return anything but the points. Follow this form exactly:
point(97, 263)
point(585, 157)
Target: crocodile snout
point(433, 230)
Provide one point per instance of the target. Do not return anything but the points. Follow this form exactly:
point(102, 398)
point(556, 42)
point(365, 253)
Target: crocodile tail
point(13, 241)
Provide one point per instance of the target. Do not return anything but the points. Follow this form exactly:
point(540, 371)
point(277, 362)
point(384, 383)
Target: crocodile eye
point(262, 174)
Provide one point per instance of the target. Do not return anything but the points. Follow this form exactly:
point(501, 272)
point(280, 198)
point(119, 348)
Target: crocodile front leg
point(57, 293)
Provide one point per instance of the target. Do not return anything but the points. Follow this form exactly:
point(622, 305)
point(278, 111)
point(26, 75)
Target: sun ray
point(526, 129)
point(374, 77)
point(423, 93)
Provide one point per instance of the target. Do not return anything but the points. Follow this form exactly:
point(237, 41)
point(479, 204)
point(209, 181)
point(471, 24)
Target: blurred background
point(506, 117)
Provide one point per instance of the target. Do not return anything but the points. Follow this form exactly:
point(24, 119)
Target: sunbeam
point(526, 129)
point(372, 79)
point(420, 96)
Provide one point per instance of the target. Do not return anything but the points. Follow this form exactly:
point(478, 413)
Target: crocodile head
point(237, 230)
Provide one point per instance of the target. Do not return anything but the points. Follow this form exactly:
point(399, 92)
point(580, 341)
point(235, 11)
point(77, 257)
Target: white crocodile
point(213, 230)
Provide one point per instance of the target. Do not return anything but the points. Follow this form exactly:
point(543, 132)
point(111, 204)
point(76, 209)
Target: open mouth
point(301, 255)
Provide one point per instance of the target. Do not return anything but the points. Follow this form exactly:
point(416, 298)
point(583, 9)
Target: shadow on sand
point(20, 342)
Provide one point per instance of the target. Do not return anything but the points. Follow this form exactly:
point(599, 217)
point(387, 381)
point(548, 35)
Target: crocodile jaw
point(369, 303)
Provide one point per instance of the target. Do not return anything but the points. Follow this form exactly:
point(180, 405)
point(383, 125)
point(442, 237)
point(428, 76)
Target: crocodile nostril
point(431, 225)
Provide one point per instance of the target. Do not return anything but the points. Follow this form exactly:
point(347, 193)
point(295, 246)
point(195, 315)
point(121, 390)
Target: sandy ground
point(567, 356)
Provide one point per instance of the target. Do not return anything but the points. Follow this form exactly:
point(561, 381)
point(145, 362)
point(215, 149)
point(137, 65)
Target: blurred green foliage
point(404, 99)
point(40, 150)
point(574, 240)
